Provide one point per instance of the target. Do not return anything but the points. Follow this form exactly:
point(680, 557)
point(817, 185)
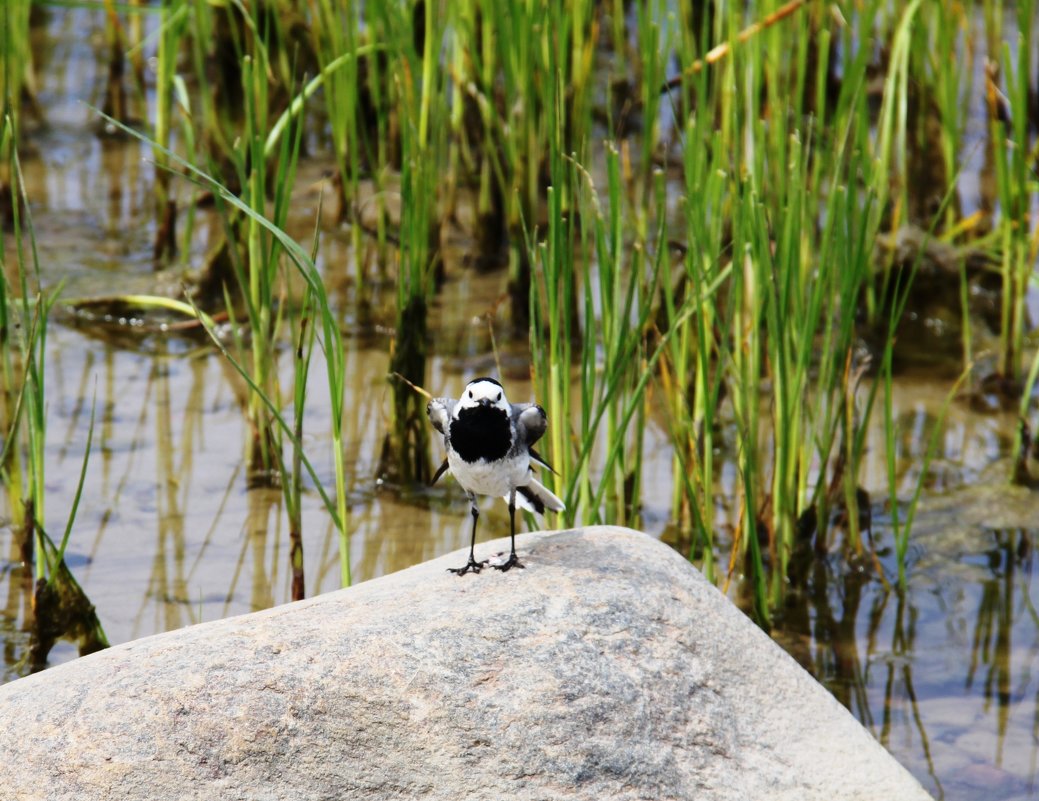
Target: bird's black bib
point(481, 433)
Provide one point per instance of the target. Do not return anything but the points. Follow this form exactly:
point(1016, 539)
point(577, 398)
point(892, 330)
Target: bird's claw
point(511, 562)
point(472, 567)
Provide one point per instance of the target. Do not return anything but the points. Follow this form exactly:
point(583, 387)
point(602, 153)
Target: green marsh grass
point(788, 185)
point(513, 58)
point(260, 277)
point(303, 335)
point(596, 314)
point(335, 31)
point(60, 607)
point(774, 216)
point(718, 275)
point(173, 22)
point(292, 473)
point(27, 315)
point(521, 131)
point(950, 82)
point(329, 337)
point(207, 119)
point(419, 88)
point(11, 397)
point(1017, 187)
point(116, 100)
point(16, 87)
point(263, 282)
point(1012, 156)
point(17, 79)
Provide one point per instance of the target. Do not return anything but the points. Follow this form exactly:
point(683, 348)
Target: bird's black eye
point(470, 393)
point(499, 396)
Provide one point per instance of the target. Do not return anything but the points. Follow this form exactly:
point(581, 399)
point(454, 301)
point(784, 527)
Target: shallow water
point(169, 532)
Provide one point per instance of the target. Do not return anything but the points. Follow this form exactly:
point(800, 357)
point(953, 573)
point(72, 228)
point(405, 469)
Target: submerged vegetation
point(60, 608)
point(735, 223)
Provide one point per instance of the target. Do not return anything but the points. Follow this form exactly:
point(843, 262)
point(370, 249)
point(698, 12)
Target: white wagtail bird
point(490, 449)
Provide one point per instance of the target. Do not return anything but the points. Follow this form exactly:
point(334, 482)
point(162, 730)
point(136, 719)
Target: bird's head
point(483, 392)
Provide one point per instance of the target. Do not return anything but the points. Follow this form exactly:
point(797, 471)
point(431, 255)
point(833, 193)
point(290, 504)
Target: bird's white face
point(483, 392)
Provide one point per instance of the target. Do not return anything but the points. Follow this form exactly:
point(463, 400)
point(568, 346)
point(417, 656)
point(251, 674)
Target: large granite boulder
point(607, 669)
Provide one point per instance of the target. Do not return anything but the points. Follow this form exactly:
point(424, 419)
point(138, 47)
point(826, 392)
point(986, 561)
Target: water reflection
point(945, 675)
point(166, 489)
point(169, 533)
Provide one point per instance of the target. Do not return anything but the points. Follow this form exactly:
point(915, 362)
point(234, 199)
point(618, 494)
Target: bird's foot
point(472, 567)
point(511, 562)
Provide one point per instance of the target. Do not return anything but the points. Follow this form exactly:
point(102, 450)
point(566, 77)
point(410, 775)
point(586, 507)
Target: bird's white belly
point(490, 478)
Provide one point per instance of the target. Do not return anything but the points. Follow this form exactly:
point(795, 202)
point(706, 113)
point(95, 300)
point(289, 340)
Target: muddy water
point(169, 534)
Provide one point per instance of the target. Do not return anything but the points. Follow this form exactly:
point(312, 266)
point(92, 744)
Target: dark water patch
point(946, 674)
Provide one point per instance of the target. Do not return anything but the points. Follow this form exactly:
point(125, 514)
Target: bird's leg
point(513, 560)
point(472, 566)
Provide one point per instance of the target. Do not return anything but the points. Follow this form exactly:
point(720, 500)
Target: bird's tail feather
point(534, 497)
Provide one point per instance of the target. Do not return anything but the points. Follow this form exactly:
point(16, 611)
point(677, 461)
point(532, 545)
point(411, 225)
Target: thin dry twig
point(719, 52)
point(418, 389)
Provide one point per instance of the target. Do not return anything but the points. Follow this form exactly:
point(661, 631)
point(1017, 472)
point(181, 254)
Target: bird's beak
point(484, 401)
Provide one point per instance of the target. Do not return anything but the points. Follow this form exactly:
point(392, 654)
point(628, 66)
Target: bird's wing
point(531, 422)
point(439, 411)
point(444, 467)
point(539, 459)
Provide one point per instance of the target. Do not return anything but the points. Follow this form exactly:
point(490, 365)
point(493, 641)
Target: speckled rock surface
point(608, 669)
